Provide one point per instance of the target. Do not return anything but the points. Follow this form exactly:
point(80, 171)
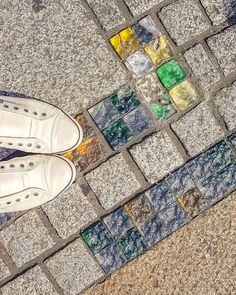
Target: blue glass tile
point(104, 113)
point(4, 217)
point(97, 237)
point(180, 181)
point(137, 120)
point(132, 244)
point(124, 100)
point(213, 188)
point(153, 230)
point(110, 258)
point(173, 217)
point(199, 168)
point(143, 35)
point(229, 176)
point(117, 134)
point(160, 195)
point(220, 155)
point(232, 138)
point(118, 222)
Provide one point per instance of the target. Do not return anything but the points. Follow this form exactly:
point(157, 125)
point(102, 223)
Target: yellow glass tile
point(182, 201)
point(159, 51)
point(125, 43)
point(183, 95)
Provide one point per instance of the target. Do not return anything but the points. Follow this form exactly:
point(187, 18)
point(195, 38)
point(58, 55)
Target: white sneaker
point(30, 181)
point(35, 126)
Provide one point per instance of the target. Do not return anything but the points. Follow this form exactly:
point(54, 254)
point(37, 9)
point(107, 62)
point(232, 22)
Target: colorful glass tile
point(163, 108)
point(139, 63)
point(199, 168)
point(137, 121)
point(173, 217)
point(87, 129)
point(159, 51)
point(125, 43)
point(118, 222)
point(110, 258)
point(220, 155)
point(149, 87)
point(104, 113)
point(149, 25)
point(88, 152)
point(229, 176)
point(97, 237)
point(4, 217)
point(193, 202)
point(132, 244)
point(139, 209)
point(153, 230)
point(142, 34)
point(213, 188)
point(171, 73)
point(124, 100)
point(117, 133)
point(183, 95)
point(180, 181)
point(160, 195)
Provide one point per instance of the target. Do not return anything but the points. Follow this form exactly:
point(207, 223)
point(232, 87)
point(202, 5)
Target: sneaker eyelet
point(6, 106)
point(10, 143)
point(36, 194)
point(20, 144)
point(8, 203)
point(38, 146)
point(17, 200)
point(22, 165)
point(31, 164)
point(2, 167)
point(44, 114)
point(27, 197)
point(16, 108)
point(11, 166)
point(35, 113)
point(25, 110)
point(29, 144)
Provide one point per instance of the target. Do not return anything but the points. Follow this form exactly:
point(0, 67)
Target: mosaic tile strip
point(165, 207)
point(147, 53)
point(90, 150)
point(120, 117)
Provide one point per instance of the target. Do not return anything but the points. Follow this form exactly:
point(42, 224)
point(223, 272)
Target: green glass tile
point(117, 134)
point(124, 100)
point(171, 73)
point(161, 111)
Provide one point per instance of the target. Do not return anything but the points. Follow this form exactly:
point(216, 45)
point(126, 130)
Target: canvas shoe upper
point(30, 181)
point(35, 126)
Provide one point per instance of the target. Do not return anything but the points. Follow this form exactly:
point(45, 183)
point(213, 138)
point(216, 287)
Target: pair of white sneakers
point(43, 131)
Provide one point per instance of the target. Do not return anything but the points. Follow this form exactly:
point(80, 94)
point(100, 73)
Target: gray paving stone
point(26, 238)
point(4, 271)
point(112, 181)
point(33, 282)
point(198, 129)
point(69, 211)
point(156, 156)
point(57, 54)
point(219, 10)
point(223, 47)
point(225, 100)
point(183, 20)
point(73, 268)
point(202, 67)
point(107, 12)
point(139, 6)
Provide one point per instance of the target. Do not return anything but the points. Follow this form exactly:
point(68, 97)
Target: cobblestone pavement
point(153, 85)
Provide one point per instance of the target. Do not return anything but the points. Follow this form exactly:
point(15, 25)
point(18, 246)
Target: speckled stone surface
point(222, 45)
point(4, 271)
point(183, 20)
point(225, 101)
point(26, 238)
point(220, 10)
point(31, 282)
point(70, 211)
point(45, 55)
point(112, 181)
point(108, 13)
point(156, 156)
point(140, 6)
point(73, 268)
point(197, 259)
point(202, 67)
point(200, 126)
